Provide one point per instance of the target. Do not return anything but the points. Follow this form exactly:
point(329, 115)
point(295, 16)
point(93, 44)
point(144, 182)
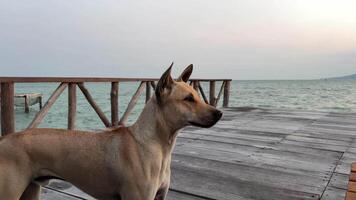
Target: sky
point(238, 39)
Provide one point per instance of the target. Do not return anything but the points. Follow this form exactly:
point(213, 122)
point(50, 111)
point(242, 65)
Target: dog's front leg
point(162, 193)
point(163, 190)
point(32, 192)
point(137, 193)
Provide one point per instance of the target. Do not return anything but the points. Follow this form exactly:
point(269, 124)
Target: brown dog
point(127, 163)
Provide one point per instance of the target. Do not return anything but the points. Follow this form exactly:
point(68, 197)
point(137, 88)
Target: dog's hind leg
point(32, 192)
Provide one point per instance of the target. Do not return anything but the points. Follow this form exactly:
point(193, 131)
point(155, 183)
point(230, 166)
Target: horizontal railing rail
point(72, 83)
point(84, 79)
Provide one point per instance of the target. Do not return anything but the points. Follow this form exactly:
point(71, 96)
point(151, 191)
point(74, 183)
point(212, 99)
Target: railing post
point(148, 91)
point(195, 85)
point(226, 94)
point(212, 93)
point(114, 103)
point(7, 108)
point(72, 105)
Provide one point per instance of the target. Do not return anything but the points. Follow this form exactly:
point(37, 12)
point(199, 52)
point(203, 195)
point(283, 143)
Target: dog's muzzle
point(208, 122)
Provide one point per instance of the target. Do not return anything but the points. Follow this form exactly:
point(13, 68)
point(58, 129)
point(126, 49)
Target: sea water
point(318, 95)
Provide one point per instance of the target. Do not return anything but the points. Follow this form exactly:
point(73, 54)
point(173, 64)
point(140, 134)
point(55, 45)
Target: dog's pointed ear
point(186, 73)
point(164, 84)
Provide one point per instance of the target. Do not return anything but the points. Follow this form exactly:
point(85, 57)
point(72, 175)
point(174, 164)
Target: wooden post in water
point(7, 108)
point(226, 93)
point(72, 105)
point(212, 93)
point(40, 102)
point(148, 91)
point(114, 94)
point(27, 104)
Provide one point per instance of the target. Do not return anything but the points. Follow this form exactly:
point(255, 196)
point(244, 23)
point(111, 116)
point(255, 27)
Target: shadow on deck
point(258, 153)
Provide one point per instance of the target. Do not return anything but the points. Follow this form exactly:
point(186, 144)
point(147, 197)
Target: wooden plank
point(212, 92)
point(7, 108)
point(332, 193)
point(72, 105)
point(352, 186)
point(353, 176)
point(350, 196)
point(224, 187)
point(339, 181)
point(353, 167)
point(255, 156)
point(114, 99)
point(258, 175)
point(91, 101)
point(344, 165)
point(49, 194)
point(316, 145)
point(132, 103)
point(177, 195)
point(67, 188)
point(42, 113)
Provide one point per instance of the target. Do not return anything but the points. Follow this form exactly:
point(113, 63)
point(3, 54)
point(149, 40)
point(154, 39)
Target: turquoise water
point(320, 95)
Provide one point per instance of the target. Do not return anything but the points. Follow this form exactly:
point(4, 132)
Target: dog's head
point(181, 104)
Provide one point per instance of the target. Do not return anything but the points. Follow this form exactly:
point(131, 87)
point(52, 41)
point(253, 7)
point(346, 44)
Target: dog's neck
point(152, 126)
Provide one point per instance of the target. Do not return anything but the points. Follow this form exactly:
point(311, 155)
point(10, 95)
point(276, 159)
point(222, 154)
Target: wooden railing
point(7, 97)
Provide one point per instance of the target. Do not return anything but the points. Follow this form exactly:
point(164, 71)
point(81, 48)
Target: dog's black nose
point(218, 114)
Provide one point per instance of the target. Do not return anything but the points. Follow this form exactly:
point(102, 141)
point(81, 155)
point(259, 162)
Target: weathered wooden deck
point(258, 154)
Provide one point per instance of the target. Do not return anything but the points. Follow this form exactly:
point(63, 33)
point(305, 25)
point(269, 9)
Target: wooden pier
point(258, 153)
point(252, 153)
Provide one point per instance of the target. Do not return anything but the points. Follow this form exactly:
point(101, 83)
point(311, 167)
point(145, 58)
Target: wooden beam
point(132, 103)
point(202, 93)
point(42, 113)
point(148, 91)
point(81, 79)
point(153, 84)
point(212, 92)
point(72, 105)
point(7, 108)
point(226, 93)
point(219, 95)
point(91, 101)
point(114, 97)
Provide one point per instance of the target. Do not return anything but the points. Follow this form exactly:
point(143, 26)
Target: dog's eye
point(189, 98)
